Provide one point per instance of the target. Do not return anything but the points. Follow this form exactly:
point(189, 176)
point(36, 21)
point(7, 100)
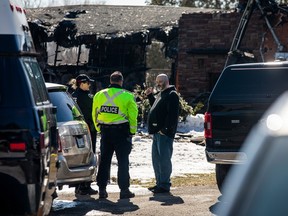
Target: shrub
point(144, 106)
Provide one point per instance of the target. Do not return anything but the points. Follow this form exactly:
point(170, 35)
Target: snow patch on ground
point(188, 157)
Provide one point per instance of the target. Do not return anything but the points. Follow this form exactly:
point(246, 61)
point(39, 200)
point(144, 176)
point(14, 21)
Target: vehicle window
point(67, 109)
point(261, 82)
point(13, 88)
point(37, 81)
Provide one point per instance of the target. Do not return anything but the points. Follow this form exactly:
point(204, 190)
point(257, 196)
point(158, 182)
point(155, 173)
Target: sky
point(188, 158)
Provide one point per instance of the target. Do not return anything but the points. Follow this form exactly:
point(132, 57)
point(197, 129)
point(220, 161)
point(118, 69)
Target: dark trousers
point(93, 139)
point(162, 149)
point(114, 140)
point(93, 133)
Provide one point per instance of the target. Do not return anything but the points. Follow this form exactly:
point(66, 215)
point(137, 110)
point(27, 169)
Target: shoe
point(103, 194)
point(81, 192)
point(160, 190)
point(126, 194)
point(85, 191)
point(152, 188)
point(91, 191)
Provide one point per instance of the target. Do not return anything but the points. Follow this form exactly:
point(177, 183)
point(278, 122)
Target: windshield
point(67, 109)
point(251, 83)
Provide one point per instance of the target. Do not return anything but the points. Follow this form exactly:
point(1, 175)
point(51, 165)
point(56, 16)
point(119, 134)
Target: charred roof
point(108, 22)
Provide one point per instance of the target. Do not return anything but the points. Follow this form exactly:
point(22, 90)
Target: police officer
point(84, 99)
point(115, 114)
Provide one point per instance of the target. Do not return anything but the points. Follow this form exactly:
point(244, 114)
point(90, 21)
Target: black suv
point(240, 97)
point(28, 130)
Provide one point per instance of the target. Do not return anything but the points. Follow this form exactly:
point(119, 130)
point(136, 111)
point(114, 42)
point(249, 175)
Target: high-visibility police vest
point(114, 106)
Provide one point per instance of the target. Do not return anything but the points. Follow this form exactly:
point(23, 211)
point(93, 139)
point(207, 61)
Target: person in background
point(84, 99)
point(71, 85)
point(162, 123)
point(115, 116)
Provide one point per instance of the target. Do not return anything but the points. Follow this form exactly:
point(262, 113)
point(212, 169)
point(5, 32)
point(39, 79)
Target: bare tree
point(217, 4)
point(41, 3)
point(163, 2)
point(32, 3)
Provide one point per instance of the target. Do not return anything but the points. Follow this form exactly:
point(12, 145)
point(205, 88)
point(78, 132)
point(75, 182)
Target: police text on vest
point(109, 109)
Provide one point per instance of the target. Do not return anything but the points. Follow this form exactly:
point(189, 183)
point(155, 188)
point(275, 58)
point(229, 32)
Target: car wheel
point(221, 173)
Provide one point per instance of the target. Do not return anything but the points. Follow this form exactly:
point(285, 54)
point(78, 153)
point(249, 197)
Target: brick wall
point(204, 39)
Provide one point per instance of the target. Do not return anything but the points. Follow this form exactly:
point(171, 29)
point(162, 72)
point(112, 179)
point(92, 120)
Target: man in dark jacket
point(84, 99)
point(162, 123)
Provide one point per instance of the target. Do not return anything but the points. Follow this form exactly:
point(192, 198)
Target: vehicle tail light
point(207, 125)
point(17, 146)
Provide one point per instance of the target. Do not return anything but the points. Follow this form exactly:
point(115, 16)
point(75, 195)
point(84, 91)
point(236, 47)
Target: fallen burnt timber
point(98, 39)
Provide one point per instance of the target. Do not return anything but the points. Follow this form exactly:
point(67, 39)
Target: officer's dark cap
point(83, 78)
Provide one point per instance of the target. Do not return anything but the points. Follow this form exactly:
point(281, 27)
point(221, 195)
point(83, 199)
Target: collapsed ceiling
point(116, 36)
point(85, 24)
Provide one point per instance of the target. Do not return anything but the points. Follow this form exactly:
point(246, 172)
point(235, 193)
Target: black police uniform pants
point(114, 140)
point(94, 140)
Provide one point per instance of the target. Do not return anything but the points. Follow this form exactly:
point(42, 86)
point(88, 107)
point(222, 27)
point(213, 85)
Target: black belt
point(118, 126)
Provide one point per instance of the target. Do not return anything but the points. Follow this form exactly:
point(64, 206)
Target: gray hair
point(163, 77)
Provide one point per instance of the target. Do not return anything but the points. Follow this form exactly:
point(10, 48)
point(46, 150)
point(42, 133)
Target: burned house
point(99, 39)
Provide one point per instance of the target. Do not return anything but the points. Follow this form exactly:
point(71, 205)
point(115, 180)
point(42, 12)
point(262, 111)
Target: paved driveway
point(195, 200)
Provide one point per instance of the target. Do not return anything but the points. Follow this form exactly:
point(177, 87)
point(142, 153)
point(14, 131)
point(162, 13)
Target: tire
point(221, 171)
